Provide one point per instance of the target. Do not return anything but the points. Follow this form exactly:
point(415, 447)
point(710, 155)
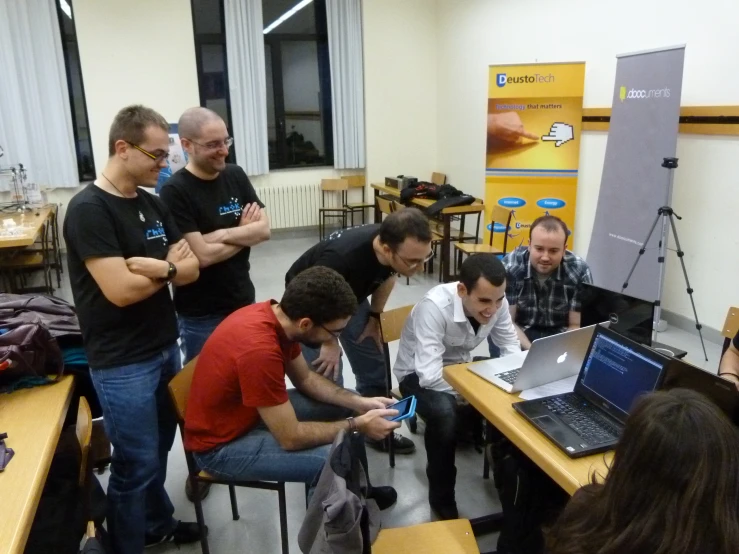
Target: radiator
point(290, 206)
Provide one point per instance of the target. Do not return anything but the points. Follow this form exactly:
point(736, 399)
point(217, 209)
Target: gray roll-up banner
point(642, 132)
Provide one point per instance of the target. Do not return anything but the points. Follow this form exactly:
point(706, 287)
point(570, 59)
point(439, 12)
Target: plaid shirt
point(544, 305)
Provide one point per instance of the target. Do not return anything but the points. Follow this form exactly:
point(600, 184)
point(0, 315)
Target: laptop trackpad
point(551, 428)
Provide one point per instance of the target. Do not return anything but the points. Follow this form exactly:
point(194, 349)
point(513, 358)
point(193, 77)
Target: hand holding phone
point(406, 409)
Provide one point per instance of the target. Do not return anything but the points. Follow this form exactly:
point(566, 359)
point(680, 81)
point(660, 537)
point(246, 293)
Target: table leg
point(378, 213)
point(445, 247)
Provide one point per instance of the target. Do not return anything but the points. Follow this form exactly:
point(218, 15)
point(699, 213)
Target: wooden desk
point(496, 406)
point(446, 218)
point(29, 221)
point(33, 420)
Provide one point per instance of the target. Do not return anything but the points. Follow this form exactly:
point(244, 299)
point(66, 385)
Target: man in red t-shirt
point(242, 423)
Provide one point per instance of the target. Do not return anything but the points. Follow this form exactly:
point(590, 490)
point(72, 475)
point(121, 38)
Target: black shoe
point(183, 533)
point(446, 511)
point(384, 496)
point(401, 444)
point(203, 488)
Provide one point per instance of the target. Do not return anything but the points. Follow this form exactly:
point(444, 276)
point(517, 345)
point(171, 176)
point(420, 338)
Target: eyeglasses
point(216, 144)
point(415, 263)
point(156, 157)
point(335, 333)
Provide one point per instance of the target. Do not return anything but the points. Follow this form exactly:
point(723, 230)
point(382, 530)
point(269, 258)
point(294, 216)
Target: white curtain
point(247, 83)
point(347, 81)
point(35, 114)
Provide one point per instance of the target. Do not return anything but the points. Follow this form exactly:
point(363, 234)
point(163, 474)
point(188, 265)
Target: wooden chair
point(438, 537)
point(36, 258)
point(500, 215)
point(357, 182)
point(438, 178)
point(330, 188)
point(384, 205)
point(730, 328)
point(56, 259)
point(391, 325)
point(179, 392)
point(83, 431)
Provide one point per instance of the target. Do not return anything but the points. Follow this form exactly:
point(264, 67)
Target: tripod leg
point(641, 252)
point(689, 289)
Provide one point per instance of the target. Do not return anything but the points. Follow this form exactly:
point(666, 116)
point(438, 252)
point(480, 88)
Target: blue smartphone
point(406, 409)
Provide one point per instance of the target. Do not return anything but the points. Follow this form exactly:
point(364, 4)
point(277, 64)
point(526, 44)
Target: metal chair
point(500, 215)
point(330, 188)
point(357, 182)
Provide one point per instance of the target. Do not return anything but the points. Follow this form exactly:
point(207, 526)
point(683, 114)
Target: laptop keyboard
point(509, 376)
point(584, 420)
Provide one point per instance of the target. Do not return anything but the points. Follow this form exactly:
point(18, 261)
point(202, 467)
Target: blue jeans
point(141, 425)
point(194, 331)
point(257, 456)
point(368, 363)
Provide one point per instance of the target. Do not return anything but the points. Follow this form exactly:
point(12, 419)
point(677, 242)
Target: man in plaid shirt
point(544, 282)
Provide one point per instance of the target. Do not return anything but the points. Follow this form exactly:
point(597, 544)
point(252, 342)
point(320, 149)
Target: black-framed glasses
point(335, 333)
point(414, 264)
point(216, 144)
point(156, 157)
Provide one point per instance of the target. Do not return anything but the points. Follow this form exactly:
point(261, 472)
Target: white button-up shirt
point(437, 333)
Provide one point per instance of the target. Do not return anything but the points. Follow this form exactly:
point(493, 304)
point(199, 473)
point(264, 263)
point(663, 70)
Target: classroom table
point(33, 419)
point(29, 223)
point(446, 218)
point(495, 405)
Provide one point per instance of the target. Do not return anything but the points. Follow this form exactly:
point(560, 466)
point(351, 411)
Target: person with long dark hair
point(673, 485)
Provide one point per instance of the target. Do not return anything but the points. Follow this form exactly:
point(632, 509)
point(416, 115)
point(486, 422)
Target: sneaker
point(401, 444)
point(203, 489)
point(446, 511)
point(384, 496)
point(183, 533)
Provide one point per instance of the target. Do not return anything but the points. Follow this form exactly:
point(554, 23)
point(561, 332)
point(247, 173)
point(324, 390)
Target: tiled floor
point(258, 529)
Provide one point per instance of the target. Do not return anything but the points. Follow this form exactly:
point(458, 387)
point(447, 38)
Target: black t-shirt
point(206, 206)
point(349, 252)
point(101, 225)
point(475, 324)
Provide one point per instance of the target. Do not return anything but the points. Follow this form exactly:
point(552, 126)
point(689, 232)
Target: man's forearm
point(525, 342)
point(188, 270)
point(729, 366)
point(315, 433)
point(250, 234)
point(319, 388)
point(380, 296)
point(216, 250)
point(135, 289)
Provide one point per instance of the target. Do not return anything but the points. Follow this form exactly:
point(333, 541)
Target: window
point(81, 128)
point(298, 84)
point(210, 56)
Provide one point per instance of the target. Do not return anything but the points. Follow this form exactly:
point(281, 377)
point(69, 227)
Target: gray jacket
point(334, 522)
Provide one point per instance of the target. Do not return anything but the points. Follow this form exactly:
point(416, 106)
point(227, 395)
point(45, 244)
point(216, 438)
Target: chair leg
point(486, 463)
point(283, 519)
point(234, 506)
point(307, 490)
point(199, 518)
point(391, 450)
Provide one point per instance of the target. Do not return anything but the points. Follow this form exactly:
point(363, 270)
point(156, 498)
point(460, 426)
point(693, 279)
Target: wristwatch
point(171, 273)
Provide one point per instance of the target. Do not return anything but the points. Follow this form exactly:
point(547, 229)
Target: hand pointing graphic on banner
point(508, 127)
point(561, 133)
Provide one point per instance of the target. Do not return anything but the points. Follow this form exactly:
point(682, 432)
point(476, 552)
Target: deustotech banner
point(533, 148)
point(643, 131)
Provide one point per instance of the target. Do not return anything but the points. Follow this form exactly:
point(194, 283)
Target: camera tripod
point(667, 215)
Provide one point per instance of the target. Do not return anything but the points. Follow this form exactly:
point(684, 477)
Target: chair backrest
point(384, 204)
point(179, 389)
point(503, 216)
point(731, 325)
point(396, 206)
point(334, 184)
point(83, 430)
point(438, 178)
point(392, 321)
point(356, 181)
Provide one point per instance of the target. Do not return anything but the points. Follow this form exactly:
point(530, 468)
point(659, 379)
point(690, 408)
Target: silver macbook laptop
point(549, 359)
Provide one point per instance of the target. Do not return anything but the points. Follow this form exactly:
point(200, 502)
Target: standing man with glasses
point(123, 249)
point(218, 211)
point(368, 257)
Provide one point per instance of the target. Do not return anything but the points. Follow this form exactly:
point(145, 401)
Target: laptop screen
point(632, 317)
point(616, 371)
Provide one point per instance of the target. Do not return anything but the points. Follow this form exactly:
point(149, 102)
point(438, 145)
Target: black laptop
point(628, 315)
point(723, 393)
point(616, 370)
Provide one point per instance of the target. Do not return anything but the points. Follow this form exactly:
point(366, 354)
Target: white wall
point(400, 80)
point(472, 34)
point(135, 52)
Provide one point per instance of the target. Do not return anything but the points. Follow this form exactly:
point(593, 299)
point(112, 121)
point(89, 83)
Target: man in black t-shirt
point(123, 250)
point(221, 217)
point(367, 257)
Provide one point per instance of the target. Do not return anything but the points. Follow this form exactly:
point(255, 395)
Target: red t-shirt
point(241, 368)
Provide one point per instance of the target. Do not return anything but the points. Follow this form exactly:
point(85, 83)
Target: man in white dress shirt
point(443, 329)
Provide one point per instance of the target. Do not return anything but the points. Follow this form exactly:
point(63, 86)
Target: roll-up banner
point(642, 132)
